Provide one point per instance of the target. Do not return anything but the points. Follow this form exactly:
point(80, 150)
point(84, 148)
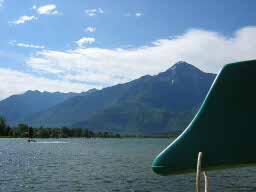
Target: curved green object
point(224, 129)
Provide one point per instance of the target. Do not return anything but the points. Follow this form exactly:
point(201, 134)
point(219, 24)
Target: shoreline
point(124, 137)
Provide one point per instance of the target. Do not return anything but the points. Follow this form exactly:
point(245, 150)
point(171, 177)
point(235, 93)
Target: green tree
point(43, 133)
point(65, 132)
point(77, 132)
point(55, 133)
point(85, 133)
point(23, 128)
point(91, 134)
point(99, 134)
point(106, 135)
point(30, 132)
point(2, 126)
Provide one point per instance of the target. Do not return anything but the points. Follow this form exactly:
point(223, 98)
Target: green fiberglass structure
point(224, 129)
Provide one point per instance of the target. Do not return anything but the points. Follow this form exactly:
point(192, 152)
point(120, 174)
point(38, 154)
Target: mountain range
point(16, 107)
point(150, 105)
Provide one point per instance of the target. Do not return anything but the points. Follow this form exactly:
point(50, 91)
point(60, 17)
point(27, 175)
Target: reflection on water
point(100, 165)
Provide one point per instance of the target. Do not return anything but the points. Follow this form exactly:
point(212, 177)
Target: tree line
point(23, 130)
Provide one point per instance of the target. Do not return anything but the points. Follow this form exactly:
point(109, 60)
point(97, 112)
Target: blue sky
point(64, 45)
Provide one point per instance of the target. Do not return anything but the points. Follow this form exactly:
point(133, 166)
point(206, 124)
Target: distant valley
point(151, 105)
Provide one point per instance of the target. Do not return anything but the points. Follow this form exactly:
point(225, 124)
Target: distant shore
point(25, 131)
point(121, 137)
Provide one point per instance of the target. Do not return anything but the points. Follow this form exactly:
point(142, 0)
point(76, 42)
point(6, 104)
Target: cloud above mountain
point(19, 82)
point(206, 50)
point(83, 68)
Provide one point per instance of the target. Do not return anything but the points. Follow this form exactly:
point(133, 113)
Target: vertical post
point(206, 181)
point(198, 175)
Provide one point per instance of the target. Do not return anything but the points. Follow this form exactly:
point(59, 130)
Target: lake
point(100, 165)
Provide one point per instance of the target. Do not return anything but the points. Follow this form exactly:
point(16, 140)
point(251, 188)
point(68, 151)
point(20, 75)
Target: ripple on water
point(100, 165)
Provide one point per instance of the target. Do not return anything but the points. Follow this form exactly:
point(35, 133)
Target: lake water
point(100, 165)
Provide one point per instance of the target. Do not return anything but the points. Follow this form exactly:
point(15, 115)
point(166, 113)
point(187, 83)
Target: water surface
point(65, 165)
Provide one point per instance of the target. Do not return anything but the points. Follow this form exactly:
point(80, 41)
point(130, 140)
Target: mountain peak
point(182, 62)
point(32, 91)
point(84, 93)
point(181, 67)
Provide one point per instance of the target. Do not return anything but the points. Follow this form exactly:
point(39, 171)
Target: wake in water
point(51, 142)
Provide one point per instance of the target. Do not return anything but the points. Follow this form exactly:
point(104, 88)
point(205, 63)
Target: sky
point(74, 46)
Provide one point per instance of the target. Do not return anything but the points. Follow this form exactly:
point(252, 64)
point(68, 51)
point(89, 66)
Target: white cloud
point(30, 46)
point(207, 50)
point(14, 43)
point(15, 82)
point(138, 14)
point(91, 12)
point(1, 2)
point(84, 41)
point(76, 70)
point(90, 29)
point(34, 7)
point(48, 10)
point(94, 12)
point(101, 11)
point(24, 19)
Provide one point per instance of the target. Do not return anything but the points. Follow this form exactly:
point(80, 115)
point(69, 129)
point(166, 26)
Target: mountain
point(84, 93)
point(16, 107)
point(149, 105)
point(135, 118)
